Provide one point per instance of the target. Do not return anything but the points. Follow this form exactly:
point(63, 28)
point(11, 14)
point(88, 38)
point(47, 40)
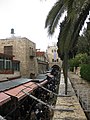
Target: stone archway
point(56, 67)
point(59, 64)
point(56, 70)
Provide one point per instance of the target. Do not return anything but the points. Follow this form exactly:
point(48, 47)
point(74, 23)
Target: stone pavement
point(70, 102)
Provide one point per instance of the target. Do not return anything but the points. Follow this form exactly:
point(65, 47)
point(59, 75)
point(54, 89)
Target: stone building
point(24, 51)
point(42, 61)
point(52, 56)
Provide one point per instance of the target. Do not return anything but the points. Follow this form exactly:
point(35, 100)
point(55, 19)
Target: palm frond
point(80, 22)
point(63, 37)
point(54, 16)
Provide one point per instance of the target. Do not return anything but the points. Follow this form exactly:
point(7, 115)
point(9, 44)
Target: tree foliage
point(83, 44)
point(85, 71)
point(79, 59)
point(77, 11)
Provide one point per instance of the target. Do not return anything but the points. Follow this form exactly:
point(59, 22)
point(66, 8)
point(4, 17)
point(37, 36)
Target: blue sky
point(27, 17)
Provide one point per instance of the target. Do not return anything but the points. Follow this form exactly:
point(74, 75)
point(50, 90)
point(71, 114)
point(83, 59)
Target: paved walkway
point(70, 102)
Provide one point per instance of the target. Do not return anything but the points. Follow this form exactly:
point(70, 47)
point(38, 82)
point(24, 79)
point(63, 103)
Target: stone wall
point(42, 68)
point(68, 107)
point(4, 77)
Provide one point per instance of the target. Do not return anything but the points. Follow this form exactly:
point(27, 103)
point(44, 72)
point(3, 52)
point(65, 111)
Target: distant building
point(42, 61)
point(52, 55)
point(24, 51)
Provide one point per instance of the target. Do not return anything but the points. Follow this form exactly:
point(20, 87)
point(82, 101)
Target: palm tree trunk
point(65, 71)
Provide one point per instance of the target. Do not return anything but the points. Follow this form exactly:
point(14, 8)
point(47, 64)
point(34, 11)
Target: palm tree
point(77, 11)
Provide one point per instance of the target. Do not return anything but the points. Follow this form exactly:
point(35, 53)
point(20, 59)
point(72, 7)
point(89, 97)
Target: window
point(5, 64)
point(1, 64)
point(8, 50)
point(16, 66)
point(8, 65)
point(52, 60)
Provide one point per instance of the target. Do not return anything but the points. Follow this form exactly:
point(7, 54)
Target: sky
point(27, 17)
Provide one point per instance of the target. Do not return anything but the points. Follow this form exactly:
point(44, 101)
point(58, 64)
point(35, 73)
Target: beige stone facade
point(24, 50)
point(42, 62)
point(52, 56)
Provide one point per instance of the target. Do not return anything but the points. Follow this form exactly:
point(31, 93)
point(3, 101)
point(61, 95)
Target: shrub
point(78, 60)
point(81, 58)
point(88, 60)
point(73, 63)
point(85, 71)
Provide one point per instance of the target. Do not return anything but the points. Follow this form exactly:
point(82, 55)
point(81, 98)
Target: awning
point(44, 82)
point(51, 76)
point(13, 83)
point(16, 92)
point(31, 85)
point(41, 77)
point(4, 98)
point(28, 87)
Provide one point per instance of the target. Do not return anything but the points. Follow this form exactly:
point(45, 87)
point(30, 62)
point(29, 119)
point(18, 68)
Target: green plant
point(74, 63)
point(85, 71)
point(78, 60)
point(71, 64)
